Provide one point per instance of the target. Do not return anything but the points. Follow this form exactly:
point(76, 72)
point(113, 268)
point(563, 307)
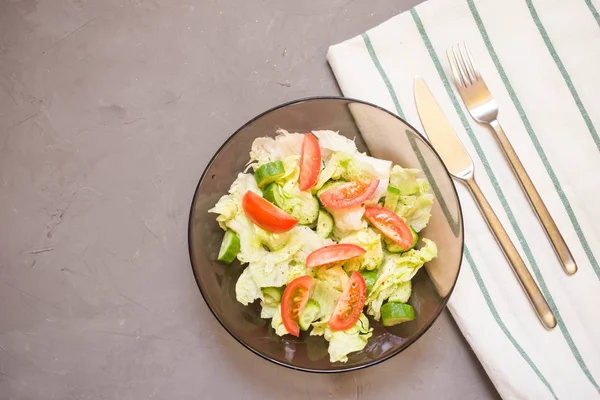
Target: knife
point(452, 152)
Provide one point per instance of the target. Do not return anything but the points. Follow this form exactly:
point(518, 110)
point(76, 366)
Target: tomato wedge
point(332, 254)
point(266, 215)
point(350, 304)
point(391, 225)
point(310, 162)
point(294, 299)
point(348, 194)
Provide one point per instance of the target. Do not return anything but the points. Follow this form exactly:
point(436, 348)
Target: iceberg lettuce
point(347, 220)
point(402, 292)
point(334, 277)
point(268, 310)
point(341, 343)
point(277, 323)
point(326, 295)
point(369, 240)
point(416, 199)
point(267, 149)
point(395, 271)
point(332, 142)
point(246, 290)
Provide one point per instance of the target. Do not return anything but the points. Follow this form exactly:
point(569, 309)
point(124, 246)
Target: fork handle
point(523, 275)
point(558, 242)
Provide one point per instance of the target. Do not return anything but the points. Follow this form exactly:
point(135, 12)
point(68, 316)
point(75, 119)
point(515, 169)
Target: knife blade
point(441, 135)
point(454, 155)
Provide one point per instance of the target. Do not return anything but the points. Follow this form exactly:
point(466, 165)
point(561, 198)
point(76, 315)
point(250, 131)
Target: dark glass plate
point(382, 135)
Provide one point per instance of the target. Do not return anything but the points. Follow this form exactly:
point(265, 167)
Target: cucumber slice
point(306, 211)
point(230, 247)
point(324, 224)
point(272, 295)
point(391, 198)
point(268, 173)
point(394, 248)
point(308, 315)
point(393, 313)
point(370, 279)
point(273, 194)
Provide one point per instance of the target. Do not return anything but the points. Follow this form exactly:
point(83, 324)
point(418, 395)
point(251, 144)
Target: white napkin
point(541, 60)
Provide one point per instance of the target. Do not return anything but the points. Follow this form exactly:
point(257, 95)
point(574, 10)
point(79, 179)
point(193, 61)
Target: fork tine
point(457, 80)
point(461, 67)
point(467, 61)
point(472, 62)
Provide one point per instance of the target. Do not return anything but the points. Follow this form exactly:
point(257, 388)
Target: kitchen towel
point(541, 61)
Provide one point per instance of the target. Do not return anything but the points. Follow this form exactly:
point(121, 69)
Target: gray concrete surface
point(109, 112)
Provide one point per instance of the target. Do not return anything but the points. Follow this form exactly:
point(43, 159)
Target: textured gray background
point(109, 112)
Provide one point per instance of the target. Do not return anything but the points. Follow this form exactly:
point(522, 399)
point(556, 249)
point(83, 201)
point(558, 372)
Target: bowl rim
point(342, 369)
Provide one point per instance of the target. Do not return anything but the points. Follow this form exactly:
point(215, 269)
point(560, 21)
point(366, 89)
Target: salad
point(328, 235)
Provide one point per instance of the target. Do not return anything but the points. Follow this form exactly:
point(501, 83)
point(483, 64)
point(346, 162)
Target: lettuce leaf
point(291, 165)
point(396, 270)
point(369, 240)
point(402, 292)
point(335, 277)
point(277, 322)
point(246, 290)
point(268, 310)
point(267, 149)
point(326, 295)
point(405, 180)
point(341, 343)
point(332, 142)
point(348, 220)
point(273, 268)
point(416, 210)
point(416, 199)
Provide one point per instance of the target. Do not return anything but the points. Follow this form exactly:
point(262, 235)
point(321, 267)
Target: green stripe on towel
point(496, 315)
point(382, 73)
point(503, 201)
point(564, 73)
point(536, 143)
point(593, 11)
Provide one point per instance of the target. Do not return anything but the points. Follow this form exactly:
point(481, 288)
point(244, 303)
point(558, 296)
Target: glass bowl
point(382, 135)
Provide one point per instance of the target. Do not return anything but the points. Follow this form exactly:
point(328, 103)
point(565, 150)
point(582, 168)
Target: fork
point(484, 109)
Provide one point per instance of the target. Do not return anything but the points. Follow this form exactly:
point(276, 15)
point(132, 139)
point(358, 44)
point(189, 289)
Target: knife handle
point(558, 242)
point(524, 276)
